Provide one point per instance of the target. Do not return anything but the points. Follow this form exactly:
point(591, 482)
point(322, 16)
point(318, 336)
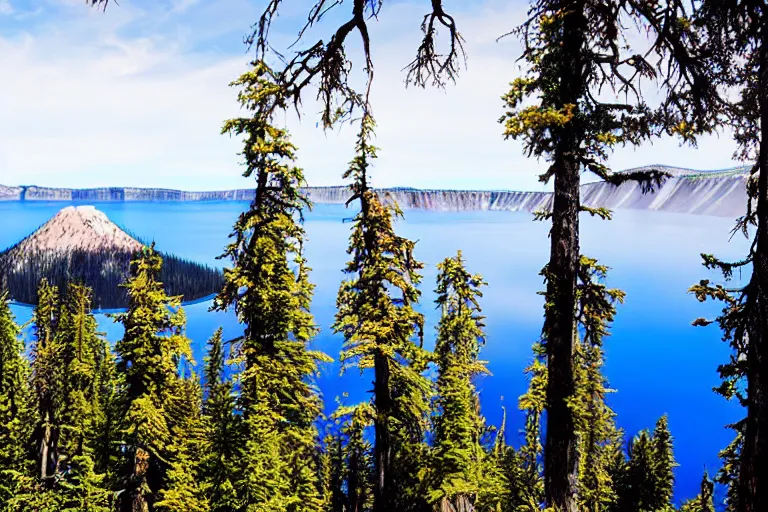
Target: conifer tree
point(728, 474)
point(16, 407)
point(501, 473)
point(737, 44)
point(594, 419)
point(269, 289)
point(457, 462)
point(83, 490)
point(573, 49)
point(46, 379)
point(663, 466)
point(358, 453)
point(594, 423)
point(183, 491)
point(532, 403)
point(106, 428)
point(148, 359)
point(376, 315)
point(332, 468)
point(647, 480)
point(704, 502)
point(640, 479)
point(80, 353)
point(218, 466)
point(618, 470)
point(351, 466)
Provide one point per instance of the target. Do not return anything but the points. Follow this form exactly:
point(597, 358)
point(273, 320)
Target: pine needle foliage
point(183, 490)
point(704, 502)
point(268, 286)
point(529, 457)
point(593, 419)
point(576, 53)
point(351, 461)
point(148, 358)
point(218, 466)
point(46, 379)
point(737, 44)
point(644, 480)
point(16, 407)
point(376, 315)
point(81, 354)
point(457, 461)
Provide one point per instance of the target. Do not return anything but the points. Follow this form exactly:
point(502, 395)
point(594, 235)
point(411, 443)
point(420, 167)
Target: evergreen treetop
point(149, 355)
point(268, 287)
point(383, 331)
point(457, 464)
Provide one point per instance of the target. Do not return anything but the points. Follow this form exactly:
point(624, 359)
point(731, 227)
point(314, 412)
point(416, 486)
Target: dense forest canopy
point(102, 271)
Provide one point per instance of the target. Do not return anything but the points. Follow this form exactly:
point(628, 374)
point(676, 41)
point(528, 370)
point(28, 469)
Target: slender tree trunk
point(753, 474)
point(134, 500)
point(49, 455)
point(560, 453)
point(45, 442)
point(383, 447)
point(382, 398)
point(353, 485)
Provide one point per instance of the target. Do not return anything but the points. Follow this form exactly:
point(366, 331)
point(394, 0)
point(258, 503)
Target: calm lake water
point(655, 359)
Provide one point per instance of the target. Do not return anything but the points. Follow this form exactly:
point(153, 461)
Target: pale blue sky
point(136, 97)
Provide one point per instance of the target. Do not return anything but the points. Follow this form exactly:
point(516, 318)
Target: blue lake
point(655, 359)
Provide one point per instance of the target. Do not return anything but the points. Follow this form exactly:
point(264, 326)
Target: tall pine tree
point(46, 379)
point(183, 490)
point(594, 418)
point(268, 287)
point(645, 481)
point(704, 502)
point(16, 408)
point(457, 462)
point(218, 467)
point(149, 355)
point(575, 49)
point(737, 39)
point(81, 354)
point(376, 315)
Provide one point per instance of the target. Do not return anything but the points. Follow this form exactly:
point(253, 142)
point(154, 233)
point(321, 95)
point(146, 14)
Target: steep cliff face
point(722, 196)
point(130, 194)
point(719, 193)
point(10, 193)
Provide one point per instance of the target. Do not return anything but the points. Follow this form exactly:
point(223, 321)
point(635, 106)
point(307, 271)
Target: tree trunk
point(560, 452)
point(44, 446)
point(383, 447)
point(133, 499)
point(753, 474)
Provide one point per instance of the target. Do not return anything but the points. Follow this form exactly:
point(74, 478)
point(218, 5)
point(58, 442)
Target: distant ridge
point(719, 192)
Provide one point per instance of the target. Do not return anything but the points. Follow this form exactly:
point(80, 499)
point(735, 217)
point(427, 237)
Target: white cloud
point(135, 97)
point(183, 5)
point(5, 7)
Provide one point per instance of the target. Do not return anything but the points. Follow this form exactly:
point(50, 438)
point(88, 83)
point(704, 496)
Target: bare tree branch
point(326, 62)
point(429, 65)
point(100, 3)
